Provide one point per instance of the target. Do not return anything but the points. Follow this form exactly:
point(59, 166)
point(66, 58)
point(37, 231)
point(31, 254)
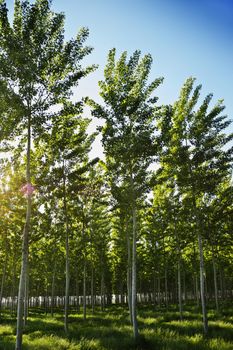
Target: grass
point(111, 330)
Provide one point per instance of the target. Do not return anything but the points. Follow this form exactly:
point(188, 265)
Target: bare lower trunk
point(222, 285)
point(159, 292)
point(134, 276)
point(202, 285)
point(26, 299)
point(84, 291)
point(13, 286)
point(67, 285)
point(102, 292)
point(215, 284)
point(77, 292)
point(180, 290)
point(129, 277)
point(184, 290)
point(197, 290)
point(25, 246)
point(66, 327)
point(166, 289)
point(53, 288)
point(20, 309)
point(3, 280)
point(154, 289)
point(92, 290)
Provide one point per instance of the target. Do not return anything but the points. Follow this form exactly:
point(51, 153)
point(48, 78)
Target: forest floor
point(111, 330)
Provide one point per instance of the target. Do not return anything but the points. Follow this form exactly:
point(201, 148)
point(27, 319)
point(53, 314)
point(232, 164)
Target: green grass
point(111, 330)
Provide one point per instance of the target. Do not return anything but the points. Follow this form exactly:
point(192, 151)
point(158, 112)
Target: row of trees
point(90, 225)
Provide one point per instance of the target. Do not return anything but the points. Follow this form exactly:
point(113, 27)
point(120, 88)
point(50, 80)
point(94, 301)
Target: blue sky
point(186, 38)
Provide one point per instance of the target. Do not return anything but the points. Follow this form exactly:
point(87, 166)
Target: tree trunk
point(77, 291)
point(184, 289)
point(53, 287)
point(92, 289)
point(20, 309)
point(221, 286)
point(84, 291)
point(215, 284)
point(26, 299)
point(202, 285)
point(179, 290)
point(166, 289)
point(102, 291)
point(197, 290)
point(154, 289)
point(66, 327)
point(25, 248)
point(3, 280)
point(159, 292)
point(13, 285)
point(129, 277)
point(134, 275)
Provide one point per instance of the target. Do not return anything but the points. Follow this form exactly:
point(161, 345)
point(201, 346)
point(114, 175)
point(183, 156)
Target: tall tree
point(41, 69)
point(128, 134)
point(195, 157)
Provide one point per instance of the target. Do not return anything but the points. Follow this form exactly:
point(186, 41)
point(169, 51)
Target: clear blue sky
point(186, 38)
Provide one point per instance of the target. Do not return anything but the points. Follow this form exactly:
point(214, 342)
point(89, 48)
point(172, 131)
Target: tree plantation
point(130, 252)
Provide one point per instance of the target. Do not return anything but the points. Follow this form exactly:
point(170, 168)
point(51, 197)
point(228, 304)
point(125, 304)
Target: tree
point(128, 135)
point(194, 157)
point(40, 69)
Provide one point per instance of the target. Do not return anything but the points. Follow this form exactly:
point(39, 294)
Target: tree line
point(154, 217)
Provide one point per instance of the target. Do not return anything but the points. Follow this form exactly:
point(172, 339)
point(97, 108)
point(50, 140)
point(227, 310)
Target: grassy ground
point(111, 330)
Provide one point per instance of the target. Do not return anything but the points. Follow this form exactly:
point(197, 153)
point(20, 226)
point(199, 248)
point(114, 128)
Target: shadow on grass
point(111, 330)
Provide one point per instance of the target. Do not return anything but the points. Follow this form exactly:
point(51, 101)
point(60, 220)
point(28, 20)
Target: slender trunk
point(13, 285)
point(3, 278)
point(154, 289)
point(25, 247)
point(84, 264)
point(66, 327)
point(77, 291)
point(185, 292)
point(92, 289)
point(92, 276)
point(20, 309)
point(134, 275)
point(215, 274)
point(197, 290)
point(202, 285)
point(215, 284)
point(84, 291)
point(102, 291)
point(180, 290)
point(159, 293)
point(166, 289)
point(53, 287)
point(221, 285)
point(129, 277)
point(26, 297)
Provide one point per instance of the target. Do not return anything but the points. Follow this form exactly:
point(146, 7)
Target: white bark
point(129, 277)
point(25, 247)
point(180, 290)
point(84, 291)
point(134, 275)
point(202, 285)
point(215, 284)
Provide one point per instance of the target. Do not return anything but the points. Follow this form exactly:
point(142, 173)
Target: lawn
point(111, 330)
